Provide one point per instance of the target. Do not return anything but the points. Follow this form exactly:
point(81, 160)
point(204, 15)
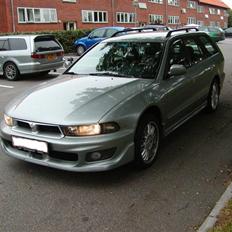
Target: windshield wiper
point(114, 74)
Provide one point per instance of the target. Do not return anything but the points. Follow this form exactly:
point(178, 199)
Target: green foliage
point(66, 38)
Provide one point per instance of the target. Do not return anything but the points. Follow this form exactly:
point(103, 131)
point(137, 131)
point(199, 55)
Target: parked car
point(216, 33)
point(116, 102)
point(23, 54)
point(94, 37)
point(159, 27)
point(228, 32)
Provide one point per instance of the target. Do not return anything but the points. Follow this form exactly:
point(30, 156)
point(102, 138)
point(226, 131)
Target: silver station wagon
point(115, 103)
point(23, 54)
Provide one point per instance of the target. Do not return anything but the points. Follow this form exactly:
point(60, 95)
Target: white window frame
point(173, 2)
point(72, 1)
point(191, 20)
point(154, 17)
point(156, 1)
point(173, 19)
point(212, 11)
point(192, 4)
point(52, 15)
point(88, 16)
point(125, 17)
point(200, 9)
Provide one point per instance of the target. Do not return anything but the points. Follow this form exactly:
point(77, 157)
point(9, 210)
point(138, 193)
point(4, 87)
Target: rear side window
point(46, 44)
point(17, 44)
point(4, 45)
point(110, 32)
point(208, 45)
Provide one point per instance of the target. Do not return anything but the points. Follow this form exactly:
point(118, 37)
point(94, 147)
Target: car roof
point(154, 36)
point(24, 36)
point(111, 27)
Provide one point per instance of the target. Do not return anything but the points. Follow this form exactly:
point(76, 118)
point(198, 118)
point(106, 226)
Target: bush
point(66, 38)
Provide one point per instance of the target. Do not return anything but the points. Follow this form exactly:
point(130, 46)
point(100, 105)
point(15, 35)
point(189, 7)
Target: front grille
point(37, 128)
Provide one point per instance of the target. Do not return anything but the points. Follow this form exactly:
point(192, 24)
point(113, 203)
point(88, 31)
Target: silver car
point(23, 54)
point(116, 102)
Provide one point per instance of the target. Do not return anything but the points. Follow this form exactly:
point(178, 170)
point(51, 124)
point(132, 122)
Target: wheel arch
point(154, 110)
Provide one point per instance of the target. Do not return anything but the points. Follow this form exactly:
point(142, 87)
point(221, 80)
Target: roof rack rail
point(187, 29)
point(137, 29)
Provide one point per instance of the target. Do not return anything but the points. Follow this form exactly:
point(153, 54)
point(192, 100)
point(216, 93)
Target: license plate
point(51, 57)
point(30, 144)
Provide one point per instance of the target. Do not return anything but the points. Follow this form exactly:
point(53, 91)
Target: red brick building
point(34, 15)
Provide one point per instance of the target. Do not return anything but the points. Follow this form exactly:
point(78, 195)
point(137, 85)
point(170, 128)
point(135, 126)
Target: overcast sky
point(228, 2)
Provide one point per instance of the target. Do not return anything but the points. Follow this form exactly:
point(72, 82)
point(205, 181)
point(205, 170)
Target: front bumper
point(122, 142)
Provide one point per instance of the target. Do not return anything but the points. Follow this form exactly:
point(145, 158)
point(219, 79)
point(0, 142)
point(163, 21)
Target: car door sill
point(184, 119)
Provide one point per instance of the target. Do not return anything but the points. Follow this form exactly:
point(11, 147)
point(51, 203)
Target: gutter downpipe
point(12, 14)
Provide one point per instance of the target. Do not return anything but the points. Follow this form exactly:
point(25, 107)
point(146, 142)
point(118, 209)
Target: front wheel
point(80, 50)
point(11, 72)
point(213, 97)
point(147, 139)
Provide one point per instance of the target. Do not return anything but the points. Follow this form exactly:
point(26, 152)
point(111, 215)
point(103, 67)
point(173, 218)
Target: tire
point(11, 72)
point(147, 140)
point(80, 50)
point(213, 97)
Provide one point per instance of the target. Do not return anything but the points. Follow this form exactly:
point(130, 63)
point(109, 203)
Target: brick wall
point(72, 12)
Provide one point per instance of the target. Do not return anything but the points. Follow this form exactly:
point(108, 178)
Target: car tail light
point(37, 56)
point(60, 53)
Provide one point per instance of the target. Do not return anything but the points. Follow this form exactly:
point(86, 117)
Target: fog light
point(100, 155)
point(95, 156)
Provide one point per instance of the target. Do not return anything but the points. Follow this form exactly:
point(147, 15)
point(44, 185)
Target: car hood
point(81, 39)
point(71, 99)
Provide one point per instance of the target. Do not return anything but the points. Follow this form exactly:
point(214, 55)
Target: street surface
point(174, 195)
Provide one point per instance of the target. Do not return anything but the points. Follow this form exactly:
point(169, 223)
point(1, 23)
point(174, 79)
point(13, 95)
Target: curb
point(212, 217)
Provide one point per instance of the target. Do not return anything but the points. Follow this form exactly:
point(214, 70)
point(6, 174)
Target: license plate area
point(51, 57)
point(30, 144)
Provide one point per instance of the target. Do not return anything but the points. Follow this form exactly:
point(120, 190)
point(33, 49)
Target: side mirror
point(177, 70)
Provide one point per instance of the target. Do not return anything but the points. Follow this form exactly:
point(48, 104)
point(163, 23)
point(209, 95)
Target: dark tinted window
point(46, 44)
point(17, 44)
point(208, 45)
point(4, 45)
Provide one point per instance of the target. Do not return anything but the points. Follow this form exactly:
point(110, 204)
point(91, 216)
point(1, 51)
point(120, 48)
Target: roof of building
point(214, 3)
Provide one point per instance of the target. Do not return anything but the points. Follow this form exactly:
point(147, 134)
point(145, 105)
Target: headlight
point(8, 120)
point(92, 129)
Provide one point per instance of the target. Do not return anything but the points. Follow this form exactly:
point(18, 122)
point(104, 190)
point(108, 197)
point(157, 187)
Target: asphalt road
point(174, 195)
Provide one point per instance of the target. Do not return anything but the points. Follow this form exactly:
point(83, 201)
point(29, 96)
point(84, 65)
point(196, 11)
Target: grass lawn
point(224, 222)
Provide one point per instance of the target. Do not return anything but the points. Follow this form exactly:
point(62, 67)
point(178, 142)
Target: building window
point(156, 1)
point(173, 19)
point(218, 11)
point(212, 10)
point(226, 13)
point(124, 17)
point(192, 4)
point(200, 9)
point(192, 20)
point(173, 2)
point(89, 16)
point(157, 19)
point(37, 15)
point(70, 26)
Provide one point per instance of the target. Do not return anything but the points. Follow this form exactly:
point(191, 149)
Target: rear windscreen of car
point(46, 44)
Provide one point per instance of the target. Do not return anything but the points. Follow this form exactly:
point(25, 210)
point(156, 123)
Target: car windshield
point(121, 59)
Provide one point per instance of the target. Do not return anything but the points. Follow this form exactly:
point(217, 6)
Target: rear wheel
point(10, 71)
point(147, 139)
point(213, 97)
point(80, 50)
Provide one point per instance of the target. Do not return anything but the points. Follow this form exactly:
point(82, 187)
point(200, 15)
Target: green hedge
point(66, 38)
